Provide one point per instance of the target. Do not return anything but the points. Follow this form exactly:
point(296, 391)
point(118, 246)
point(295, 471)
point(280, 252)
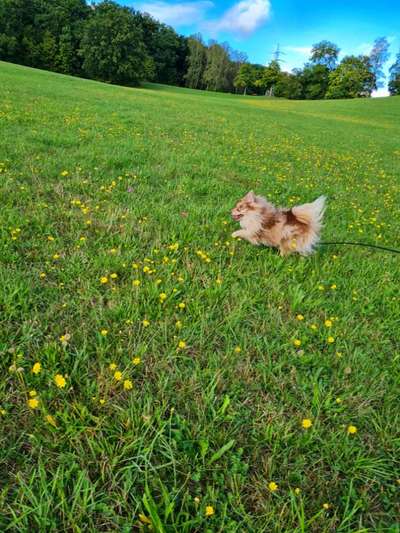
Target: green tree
point(48, 51)
point(394, 77)
point(289, 86)
point(66, 52)
point(315, 81)
point(196, 62)
point(245, 77)
point(325, 53)
point(378, 57)
point(269, 77)
point(216, 74)
point(353, 78)
point(18, 40)
point(112, 46)
point(41, 33)
point(167, 49)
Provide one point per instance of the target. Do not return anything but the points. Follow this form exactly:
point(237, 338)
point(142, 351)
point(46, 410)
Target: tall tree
point(394, 77)
point(216, 74)
point(378, 57)
point(353, 78)
point(245, 77)
point(289, 86)
point(112, 47)
point(269, 77)
point(196, 62)
point(315, 81)
point(165, 47)
point(325, 53)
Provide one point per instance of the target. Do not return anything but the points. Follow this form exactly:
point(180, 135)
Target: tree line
point(117, 44)
point(323, 76)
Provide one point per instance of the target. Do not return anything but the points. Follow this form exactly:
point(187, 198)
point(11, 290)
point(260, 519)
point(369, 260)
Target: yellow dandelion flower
point(118, 375)
point(42, 275)
point(328, 323)
point(181, 305)
point(351, 430)
point(209, 510)
point(56, 256)
point(33, 403)
point(64, 173)
point(330, 340)
point(36, 369)
point(178, 324)
point(297, 491)
point(112, 366)
point(300, 317)
point(128, 385)
point(145, 323)
point(326, 506)
point(65, 338)
point(339, 400)
point(136, 361)
point(136, 282)
point(102, 401)
point(237, 349)
point(297, 342)
point(314, 326)
point(334, 286)
point(114, 275)
point(104, 332)
point(103, 279)
point(306, 423)
point(163, 296)
point(181, 345)
point(272, 486)
point(60, 381)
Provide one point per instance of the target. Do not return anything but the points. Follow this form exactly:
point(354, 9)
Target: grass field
point(155, 373)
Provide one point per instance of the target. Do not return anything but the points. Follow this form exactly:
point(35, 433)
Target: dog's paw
point(236, 235)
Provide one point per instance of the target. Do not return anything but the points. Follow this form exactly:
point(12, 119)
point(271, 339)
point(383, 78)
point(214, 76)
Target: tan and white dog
point(291, 230)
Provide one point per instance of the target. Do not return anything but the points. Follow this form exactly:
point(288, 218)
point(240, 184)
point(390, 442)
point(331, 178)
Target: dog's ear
point(250, 197)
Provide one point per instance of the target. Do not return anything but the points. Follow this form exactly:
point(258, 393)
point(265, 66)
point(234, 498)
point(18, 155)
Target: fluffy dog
point(290, 230)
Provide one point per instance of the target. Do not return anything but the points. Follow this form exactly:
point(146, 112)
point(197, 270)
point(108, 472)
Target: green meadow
point(157, 375)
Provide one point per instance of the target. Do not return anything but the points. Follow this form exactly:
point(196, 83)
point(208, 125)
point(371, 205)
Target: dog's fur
point(291, 230)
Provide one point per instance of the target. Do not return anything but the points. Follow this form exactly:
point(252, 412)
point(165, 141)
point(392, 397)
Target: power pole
point(278, 53)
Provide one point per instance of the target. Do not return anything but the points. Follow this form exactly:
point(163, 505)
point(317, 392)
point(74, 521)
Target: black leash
point(393, 250)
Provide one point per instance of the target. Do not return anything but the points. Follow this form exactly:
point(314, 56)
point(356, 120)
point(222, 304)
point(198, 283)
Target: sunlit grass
point(156, 373)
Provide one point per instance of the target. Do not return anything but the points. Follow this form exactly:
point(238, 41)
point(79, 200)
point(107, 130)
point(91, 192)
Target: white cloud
point(183, 13)
point(243, 17)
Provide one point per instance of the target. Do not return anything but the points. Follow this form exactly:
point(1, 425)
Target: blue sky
point(257, 26)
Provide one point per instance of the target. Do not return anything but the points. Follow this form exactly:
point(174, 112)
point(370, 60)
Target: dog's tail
point(311, 214)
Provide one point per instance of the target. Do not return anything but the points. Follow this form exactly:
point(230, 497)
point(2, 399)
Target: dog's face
point(244, 206)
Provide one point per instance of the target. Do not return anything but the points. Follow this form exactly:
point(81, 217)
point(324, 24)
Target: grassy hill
point(157, 373)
